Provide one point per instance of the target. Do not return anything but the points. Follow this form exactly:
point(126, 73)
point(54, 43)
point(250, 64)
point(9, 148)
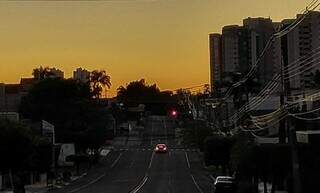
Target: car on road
point(161, 148)
point(224, 184)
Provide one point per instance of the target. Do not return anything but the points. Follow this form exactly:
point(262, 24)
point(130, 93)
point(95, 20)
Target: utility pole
point(296, 179)
point(287, 126)
point(282, 125)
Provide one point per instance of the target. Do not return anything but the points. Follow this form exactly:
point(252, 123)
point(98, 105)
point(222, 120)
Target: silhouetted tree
point(17, 150)
point(69, 106)
point(42, 73)
point(139, 92)
point(99, 80)
point(250, 86)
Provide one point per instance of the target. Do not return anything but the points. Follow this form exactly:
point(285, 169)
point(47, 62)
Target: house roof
point(25, 81)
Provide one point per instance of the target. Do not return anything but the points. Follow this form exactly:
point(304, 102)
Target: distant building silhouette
point(301, 42)
point(81, 75)
point(230, 46)
point(216, 66)
point(10, 97)
point(56, 73)
point(11, 94)
point(240, 48)
point(26, 84)
point(261, 30)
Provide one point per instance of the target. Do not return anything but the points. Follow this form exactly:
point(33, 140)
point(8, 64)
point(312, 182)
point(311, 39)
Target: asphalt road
point(137, 169)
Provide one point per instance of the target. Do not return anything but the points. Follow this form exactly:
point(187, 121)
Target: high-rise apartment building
point(298, 44)
point(241, 47)
point(261, 29)
point(235, 51)
point(216, 65)
point(81, 75)
point(230, 47)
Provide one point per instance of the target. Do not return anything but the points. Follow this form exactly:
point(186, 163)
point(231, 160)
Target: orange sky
point(163, 41)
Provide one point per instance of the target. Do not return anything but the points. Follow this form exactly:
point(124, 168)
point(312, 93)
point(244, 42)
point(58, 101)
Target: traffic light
point(174, 113)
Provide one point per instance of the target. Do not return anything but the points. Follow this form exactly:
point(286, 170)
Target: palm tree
point(99, 80)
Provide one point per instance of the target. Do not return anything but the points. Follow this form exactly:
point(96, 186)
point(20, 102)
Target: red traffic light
point(174, 113)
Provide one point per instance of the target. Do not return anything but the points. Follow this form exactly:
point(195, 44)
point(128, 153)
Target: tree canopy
point(21, 150)
point(16, 146)
point(139, 92)
point(42, 73)
point(69, 106)
point(99, 81)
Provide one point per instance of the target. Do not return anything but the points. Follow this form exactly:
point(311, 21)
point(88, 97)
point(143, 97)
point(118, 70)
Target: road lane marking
point(166, 130)
point(97, 179)
point(151, 160)
point(116, 161)
point(187, 158)
point(145, 178)
point(142, 183)
point(88, 184)
point(212, 178)
point(196, 184)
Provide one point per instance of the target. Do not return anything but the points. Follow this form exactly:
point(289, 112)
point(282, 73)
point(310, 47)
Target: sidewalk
point(86, 177)
point(93, 175)
point(35, 188)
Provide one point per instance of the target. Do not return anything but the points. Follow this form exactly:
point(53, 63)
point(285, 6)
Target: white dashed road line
point(196, 184)
point(116, 161)
point(212, 178)
point(96, 179)
point(151, 160)
point(145, 178)
point(88, 184)
point(187, 158)
point(138, 188)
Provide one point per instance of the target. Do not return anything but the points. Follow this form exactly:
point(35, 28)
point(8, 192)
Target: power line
point(279, 34)
point(274, 82)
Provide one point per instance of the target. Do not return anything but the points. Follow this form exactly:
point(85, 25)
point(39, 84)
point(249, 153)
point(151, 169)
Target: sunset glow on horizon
point(163, 41)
